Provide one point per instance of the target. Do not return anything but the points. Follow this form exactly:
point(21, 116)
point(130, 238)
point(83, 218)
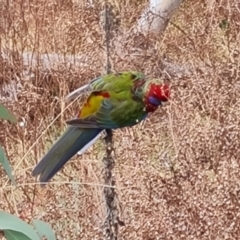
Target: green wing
point(122, 108)
point(112, 115)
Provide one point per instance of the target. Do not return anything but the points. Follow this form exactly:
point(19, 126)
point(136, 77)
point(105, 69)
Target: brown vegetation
point(177, 174)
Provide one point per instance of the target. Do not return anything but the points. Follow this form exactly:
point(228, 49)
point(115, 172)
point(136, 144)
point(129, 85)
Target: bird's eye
point(133, 76)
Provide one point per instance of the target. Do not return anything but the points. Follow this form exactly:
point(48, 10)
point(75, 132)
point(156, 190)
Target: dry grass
point(177, 174)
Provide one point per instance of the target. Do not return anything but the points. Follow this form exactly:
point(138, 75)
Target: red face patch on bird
point(161, 92)
point(156, 95)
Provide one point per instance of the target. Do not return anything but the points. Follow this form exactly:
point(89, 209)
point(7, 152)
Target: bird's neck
point(141, 90)
point(138, 89)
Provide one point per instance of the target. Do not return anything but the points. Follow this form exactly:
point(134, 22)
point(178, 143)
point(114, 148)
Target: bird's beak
point(165, 103)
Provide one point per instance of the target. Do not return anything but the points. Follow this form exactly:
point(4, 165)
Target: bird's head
point(157, 93)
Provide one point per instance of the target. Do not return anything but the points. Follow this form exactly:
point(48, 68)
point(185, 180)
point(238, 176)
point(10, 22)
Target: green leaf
point(11, 224)
point(13, 235)
point(6, 114)
point(44, 229)
point(6, 165)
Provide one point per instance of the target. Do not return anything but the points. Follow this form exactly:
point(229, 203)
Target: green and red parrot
point(116, 100)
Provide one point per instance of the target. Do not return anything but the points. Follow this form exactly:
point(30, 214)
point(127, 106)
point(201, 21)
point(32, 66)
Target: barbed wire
point(112, 222)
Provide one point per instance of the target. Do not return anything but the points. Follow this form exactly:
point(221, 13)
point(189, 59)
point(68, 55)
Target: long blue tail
point(72, 140)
